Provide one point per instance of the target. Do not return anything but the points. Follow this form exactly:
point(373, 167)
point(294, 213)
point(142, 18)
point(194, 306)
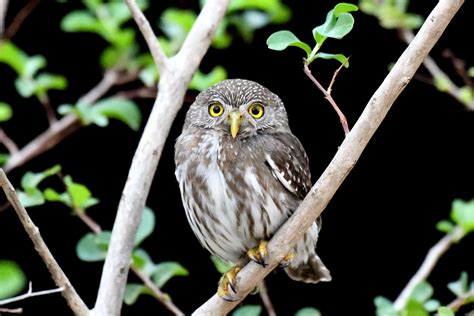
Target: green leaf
point(53, 196)
point(442, 83)
point(462, 213)
point(470, 72)
point(282, 39)
point(149, 75)
point(80, 21)
point(248, 310)
point(384, 307)
point(121, 109)
point(4, 158)
point(32, 197)
point(445, 311)
point(459, 287)
point(466, 94)
point(133, 291)
point(142, 261)
point(221, 266)
point(31, 180)
point(26, 87)
point(202, 81)
point(164, 271)
point(414, 307)
point(308, 311)
point(445, 226)
point(176, 24)
point(93, 247)
point(5, 112)
point(339, 57)
point(431, 305)
point(422, 292)
point(47, 81)
point(80, 194)
point(334, 27)
point(12, 279)
point(13, 57)
point(344, 8)
point(147, 225)
point(33, 64)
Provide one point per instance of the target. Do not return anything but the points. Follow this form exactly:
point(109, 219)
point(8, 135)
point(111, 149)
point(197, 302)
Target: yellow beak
point(234, 119)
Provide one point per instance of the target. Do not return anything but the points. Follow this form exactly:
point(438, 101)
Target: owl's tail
point(313, 271)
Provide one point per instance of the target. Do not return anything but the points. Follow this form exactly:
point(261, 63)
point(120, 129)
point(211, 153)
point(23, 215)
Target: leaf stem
point(267, 303)
point(29, 294)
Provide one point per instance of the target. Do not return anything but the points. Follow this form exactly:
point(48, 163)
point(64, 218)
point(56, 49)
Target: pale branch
point(58, 131)
point(174, 80)
point(159, 56)
point(72, 298)
point(344, 160)
point(267, 302)
point(20, 18)
point(333, 79)
point(439, 75)
point(11, 310)
point(9, 144)
point(29, 294)
point(464, 299)
point(50, 114)
point(327, 95)
point(3, 13)
point(430, 261)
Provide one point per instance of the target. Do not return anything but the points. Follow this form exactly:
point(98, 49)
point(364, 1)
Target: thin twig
point(451, 88)
point(434, 254)
point(344, 160)
point(142, 92)
point(145, 28)
point(267, 302)
point(466, 298)
point(9, 144)
point(20, 18)
point(11, 310)
point(50, 114)
point(172, 87)
point(460, 67)
point(333, 79)
point(72, 298)
point(327, 96)
point(29, 294)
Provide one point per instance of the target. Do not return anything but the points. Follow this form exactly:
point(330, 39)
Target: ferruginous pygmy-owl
point(242, 173)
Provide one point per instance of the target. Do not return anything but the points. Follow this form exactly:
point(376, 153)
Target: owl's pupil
point(216, 109)
point(255, 111)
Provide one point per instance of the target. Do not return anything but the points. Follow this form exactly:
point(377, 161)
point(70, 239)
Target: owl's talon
point(228, 281)
point(259, 253)
point(286, 260)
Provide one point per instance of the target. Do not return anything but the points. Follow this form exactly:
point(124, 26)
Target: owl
point(241, 174)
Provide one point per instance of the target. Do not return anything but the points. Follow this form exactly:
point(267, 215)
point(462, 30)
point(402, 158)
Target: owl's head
point(239, 108)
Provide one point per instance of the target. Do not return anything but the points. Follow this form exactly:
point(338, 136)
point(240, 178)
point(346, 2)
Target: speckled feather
point(239, 191)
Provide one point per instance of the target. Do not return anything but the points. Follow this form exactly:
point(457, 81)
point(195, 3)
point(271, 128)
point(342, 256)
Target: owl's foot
point(286, 260)
point(259, 253)
point(228, 281)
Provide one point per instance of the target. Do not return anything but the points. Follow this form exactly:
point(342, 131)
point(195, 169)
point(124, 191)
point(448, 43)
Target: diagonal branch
point(3, 13)
point(72, 298)
point(174, 80)
point(346, 157)
point(29, 294)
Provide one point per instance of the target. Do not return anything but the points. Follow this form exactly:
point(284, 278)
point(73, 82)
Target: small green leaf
point(80, 21)
point(445, 311)
point(5, 112)
point(13, 57)
point(80, 194)
point(414, 307)
point(384, 307)
point(431, 305)
point(201, 81)
point(53, 196)
point(47, 81)
point(282, 39)
point(221, 266)
point(466, 94)
point(12, 279)
point(31, 180)
point(93, 247)
point(462, 213)
point(26, 87)
point(339, 57)
point(32, 197)
point(149, 75)
point(147, 225)
point(4, 158)
point(248, 310)
point(133, 291)
point(33, 64)
point(142, 261)
point(459, 287)
point(442, 83)
point(164, 271)
point(470, 72)
point(422, 292)
point(334, 27)
point(121, 109)
point(445, 226)
point(308, 311)
point(344, 7)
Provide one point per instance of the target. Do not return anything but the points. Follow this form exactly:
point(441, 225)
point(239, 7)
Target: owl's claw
point(228, 281)
point(259, 253)
point(286, 260)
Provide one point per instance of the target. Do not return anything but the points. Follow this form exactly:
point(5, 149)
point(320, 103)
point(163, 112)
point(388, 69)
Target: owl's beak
point(234, 119)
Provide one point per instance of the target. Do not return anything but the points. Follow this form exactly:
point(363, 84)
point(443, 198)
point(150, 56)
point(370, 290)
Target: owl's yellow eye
point(256, 110)
point(216, 109)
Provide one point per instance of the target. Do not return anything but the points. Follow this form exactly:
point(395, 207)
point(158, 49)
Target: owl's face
point(239, 108)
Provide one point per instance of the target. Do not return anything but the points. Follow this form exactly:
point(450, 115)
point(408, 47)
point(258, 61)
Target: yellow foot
point(286, 260)
point(259, 253)
point(228, 281)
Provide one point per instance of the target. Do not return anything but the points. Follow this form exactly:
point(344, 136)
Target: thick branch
point(3, 13)
point(145, 28)
point(29, 294)
point(346, 157)
point(172, 87)
point(427, 266)
point(73, 299)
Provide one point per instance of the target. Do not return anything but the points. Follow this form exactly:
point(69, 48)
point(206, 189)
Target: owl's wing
point(289, 164)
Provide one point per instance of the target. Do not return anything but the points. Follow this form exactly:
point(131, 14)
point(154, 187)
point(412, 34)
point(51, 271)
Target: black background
point(379, 225)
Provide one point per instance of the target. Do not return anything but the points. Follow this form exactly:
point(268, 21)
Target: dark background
point(377, 229)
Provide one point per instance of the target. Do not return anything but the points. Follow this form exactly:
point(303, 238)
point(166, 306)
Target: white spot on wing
point(280, 175)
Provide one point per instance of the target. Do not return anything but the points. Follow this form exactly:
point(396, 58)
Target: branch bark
point(346, 157)
point(174, 79)
point(3, 13)
point(72, 298)
point(29, 294)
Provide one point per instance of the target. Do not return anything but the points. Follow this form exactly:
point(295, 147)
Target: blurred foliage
point(12, 279)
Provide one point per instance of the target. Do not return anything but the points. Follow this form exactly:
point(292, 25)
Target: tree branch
point(345, 158)
point(72, 298)
point(461, 301)
point(3, 13)
point(29, 294)
point(11, 310)
point(434, 254)
point(174, 80)
point(20, 18)
point(267, 302)
point(9, 144)
point(145, 28)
